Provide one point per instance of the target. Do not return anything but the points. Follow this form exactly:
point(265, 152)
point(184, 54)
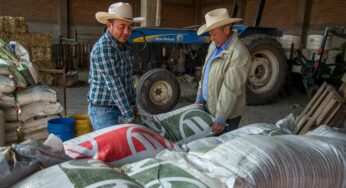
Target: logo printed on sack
point(117, 143)
point(195, 123)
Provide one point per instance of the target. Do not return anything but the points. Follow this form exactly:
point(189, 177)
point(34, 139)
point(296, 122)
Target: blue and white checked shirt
point(110, 75)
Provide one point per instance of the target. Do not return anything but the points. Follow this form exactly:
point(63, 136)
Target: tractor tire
point(158, 91)
point(268, 70)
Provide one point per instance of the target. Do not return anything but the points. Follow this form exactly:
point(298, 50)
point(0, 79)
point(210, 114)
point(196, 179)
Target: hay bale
point(4, 36)
point(11, 24)
point(41, 40)
point(1, 23)
point(21, 26)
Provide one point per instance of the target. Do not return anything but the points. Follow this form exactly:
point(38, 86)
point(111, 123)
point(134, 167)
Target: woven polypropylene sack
point(278, 161)
point(36, 94)
point(39, 109)
point(118, 144)
point(327, 131)
point(153, 173)
point(7, 85)
point(7, 100)
point(78, 173)
point(252, 129)
point(182, 125)
point(20, 161)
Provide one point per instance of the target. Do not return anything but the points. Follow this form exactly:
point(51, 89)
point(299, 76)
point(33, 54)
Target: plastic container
point(62, 127)
point(82, 125)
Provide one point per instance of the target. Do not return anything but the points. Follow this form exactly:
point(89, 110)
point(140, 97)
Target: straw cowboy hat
point(120, 11)
point(216, 18)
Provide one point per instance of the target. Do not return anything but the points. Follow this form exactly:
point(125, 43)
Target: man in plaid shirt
point(111, 91)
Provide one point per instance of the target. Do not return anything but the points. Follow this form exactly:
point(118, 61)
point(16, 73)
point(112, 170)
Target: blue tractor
point(163, 53)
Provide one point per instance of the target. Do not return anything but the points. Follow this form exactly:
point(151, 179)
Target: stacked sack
point(27, 108)
point(252, 159)
point(182, 125)
point(37, 105)
point(39, 45)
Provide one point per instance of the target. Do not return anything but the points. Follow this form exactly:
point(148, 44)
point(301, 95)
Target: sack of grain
point(7, 100)
point(202, 145)
point(118, 144)
point(36, 94)
point(2, 128)
point(158, 173)
point(32, 129)
point(327, 131)
point(10, 114)
point(182, 125)
point(253, 129)
point(78, 173)
point(29, 71)
point(40, 109)
point(273, 161)
point(7, 68)
point(7, 85)
point(19, 161)
point(38, 135)
point(31, 125)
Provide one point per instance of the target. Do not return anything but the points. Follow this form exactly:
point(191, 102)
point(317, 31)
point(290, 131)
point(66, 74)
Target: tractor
point(163, 53)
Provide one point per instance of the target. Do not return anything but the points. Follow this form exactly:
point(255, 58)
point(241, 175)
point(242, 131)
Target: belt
point(99, 105)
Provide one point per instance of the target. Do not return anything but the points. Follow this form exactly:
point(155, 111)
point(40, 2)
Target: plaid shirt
point(110, 75)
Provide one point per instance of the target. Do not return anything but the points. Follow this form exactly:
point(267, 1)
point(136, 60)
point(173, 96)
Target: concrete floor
point(280, 108)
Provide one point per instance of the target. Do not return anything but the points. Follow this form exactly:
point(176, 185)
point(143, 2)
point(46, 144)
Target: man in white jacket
point(222, 88)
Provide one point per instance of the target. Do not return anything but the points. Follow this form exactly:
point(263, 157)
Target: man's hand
point(198, 102)
point(135, 111)
point(134, 121)
point(217, 127)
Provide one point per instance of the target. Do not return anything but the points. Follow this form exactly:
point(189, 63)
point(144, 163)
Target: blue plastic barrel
point(62, 127)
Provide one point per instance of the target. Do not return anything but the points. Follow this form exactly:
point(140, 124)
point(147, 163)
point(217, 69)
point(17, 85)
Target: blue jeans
point(102, 117)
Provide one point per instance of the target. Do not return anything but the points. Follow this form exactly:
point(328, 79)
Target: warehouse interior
point(292, 126)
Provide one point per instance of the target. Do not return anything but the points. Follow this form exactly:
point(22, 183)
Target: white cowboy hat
point(120, 10)
point(216, 18)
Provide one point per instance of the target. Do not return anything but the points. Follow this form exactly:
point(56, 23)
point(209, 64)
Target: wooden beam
point(180, 2)
point(302, 19)
point(218, 2)
point(63, 18)
point(198, 12)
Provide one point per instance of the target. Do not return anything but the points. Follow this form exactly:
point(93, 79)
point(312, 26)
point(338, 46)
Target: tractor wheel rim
point(161, 92)
point(264, 71)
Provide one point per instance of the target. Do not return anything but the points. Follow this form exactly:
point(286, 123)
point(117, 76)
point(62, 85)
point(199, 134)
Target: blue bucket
point(62, 127)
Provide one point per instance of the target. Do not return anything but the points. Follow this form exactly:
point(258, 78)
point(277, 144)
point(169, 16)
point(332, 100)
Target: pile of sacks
point(128, 155)
point(25, 104)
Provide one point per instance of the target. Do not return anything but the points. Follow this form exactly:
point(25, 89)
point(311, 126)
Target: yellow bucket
point(82, 125)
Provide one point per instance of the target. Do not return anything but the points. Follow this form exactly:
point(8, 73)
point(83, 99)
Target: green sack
point(78, 173)
point(182, 125)
point(152, 173)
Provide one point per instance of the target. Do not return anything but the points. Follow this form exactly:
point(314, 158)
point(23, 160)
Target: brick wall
point(83, 12)
point(276, 13)
point(32, 10)
point(177, 15)
point(325, 13)
point(208, 6)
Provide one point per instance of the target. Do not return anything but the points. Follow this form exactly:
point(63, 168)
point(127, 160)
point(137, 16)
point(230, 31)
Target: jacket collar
point(228, 48)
